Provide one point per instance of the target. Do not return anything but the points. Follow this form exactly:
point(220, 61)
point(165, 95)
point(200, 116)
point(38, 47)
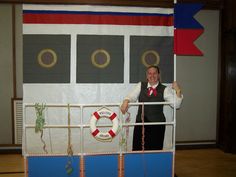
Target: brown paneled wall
point(227, 121)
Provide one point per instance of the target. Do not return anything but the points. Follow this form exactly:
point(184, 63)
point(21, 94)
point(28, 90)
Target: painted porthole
point(100, 58)
point(47, 58)
point(150, 57)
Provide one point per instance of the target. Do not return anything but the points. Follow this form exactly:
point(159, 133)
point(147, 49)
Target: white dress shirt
point(169, 95)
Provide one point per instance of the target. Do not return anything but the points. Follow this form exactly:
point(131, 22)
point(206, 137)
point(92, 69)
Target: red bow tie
point(152, 91)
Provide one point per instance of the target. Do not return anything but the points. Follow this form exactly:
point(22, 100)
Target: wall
point(6, 85)
point(19, 52)
point(198, 76)
point(6, 68)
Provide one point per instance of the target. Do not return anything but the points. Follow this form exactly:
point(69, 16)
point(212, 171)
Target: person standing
point(151, 91)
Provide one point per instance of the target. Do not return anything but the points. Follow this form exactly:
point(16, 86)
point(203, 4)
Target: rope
point(40, 119)
point(125, 133)
point(69, 168)
point(69, 147)
point(82, 170)
point(44, 143)
point(121, 166)
point(49, 131)
point(143, 130)
point(127, 120)
point(143, 141)
point(40, 122)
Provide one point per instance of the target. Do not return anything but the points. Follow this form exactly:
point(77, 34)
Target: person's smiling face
point(152, 75)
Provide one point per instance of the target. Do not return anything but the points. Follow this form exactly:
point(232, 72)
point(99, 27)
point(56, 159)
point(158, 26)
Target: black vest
point(152, 113)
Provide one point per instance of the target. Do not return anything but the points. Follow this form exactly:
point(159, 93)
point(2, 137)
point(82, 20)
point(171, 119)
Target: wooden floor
point(205, 163)
point(189, 163)
point(11, 165)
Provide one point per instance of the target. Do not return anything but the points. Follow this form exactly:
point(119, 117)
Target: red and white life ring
point(104, 113)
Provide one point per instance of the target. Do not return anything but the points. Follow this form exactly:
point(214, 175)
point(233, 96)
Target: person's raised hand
point(177, 89)
point(124, 107)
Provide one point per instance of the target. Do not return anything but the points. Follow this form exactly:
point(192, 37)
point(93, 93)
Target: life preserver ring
point(104, 113)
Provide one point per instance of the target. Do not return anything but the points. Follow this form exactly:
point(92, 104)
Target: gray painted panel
point(162, 45)
point(106, 46)
point(36, 73)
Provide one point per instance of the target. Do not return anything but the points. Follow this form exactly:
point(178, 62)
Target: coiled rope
point(69, 167)
point(40, 122)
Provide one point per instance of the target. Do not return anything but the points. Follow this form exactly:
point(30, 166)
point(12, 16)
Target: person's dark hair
point(154, 66)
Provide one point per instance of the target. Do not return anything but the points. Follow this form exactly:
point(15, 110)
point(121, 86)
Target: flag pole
point(174, 126)
point(175, 1)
